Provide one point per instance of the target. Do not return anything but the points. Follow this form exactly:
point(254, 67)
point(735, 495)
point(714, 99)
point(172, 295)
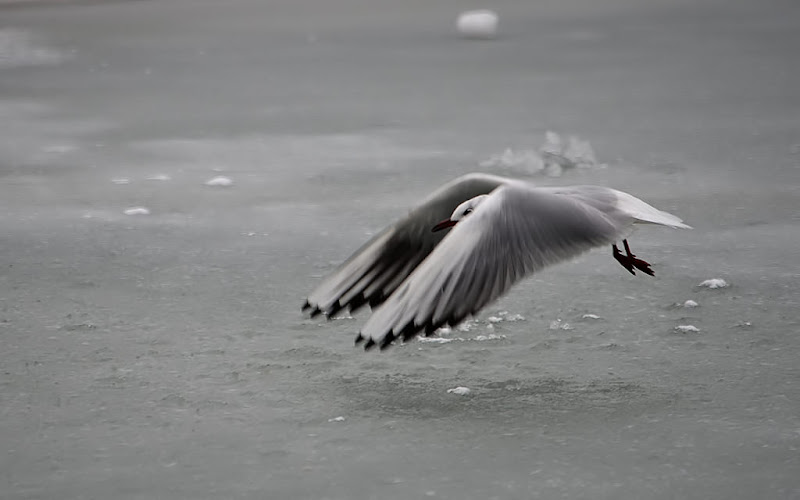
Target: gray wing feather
point(515, 232)
point(376, 269)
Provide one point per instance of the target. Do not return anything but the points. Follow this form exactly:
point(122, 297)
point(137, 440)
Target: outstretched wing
point(516, 231)
point(375, 270)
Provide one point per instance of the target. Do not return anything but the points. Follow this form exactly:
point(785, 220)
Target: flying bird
point(467, 243)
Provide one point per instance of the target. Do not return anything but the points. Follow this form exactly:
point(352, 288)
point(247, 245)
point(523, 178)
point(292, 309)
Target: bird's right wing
point(516, 231)
point(375, 270)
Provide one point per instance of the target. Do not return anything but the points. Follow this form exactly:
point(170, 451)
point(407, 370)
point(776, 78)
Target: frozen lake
point(162, 354)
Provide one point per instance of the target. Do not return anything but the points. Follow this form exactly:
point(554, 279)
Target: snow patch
point(220, 181)
point(121, 180)
point(687, 329)
point(477, 24)
point(159, 177)
point(336, 419)
point(689, 304)
point(590, 316)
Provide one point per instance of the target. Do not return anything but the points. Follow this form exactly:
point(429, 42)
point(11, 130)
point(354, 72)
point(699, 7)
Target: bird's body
point(417, 280)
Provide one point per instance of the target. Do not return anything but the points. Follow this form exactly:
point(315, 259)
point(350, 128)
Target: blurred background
point(177, 175)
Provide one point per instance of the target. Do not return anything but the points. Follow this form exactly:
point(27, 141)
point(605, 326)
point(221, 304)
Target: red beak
point(443, 225)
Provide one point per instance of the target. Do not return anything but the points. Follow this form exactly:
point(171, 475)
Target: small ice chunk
point(459, 391)
point(477, 24)
point(515, 317)
point(590, 316)
point(121, 180)
point(687, 328)
point(714, 283)
point(137, 211)
point(494, 319)
point(219, 180)
point(159, 177)
point(560, 325)
point(491, 336)
point(690, 304)
point(336, 419)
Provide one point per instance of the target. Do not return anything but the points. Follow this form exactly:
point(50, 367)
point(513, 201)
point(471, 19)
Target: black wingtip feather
point(335, 308)
point(306, 306)
point(316, 312)
point(387, 340)
point(369, 344)
point(359, 339)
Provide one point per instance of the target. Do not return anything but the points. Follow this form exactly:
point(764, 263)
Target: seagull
point(466, 244)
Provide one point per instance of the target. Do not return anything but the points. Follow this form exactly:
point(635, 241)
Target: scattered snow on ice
point(590, 316)
point(690, 304)
point(336, 419)
point(435, 340)
point(714, 283)
point(494, 319)
point(552, 157)
point(459, 391)
point(137, 211)
point(515, 317)
point(219, 180)
point(687, 328)
point(467, 325)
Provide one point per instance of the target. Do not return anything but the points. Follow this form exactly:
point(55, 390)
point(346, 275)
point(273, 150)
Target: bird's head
point(460, 212)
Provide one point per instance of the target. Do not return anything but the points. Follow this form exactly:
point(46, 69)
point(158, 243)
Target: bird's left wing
point(516, 231)
point(376, 269)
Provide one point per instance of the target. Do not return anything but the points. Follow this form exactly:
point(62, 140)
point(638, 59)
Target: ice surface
point(137, 211)
point(23, 48)
point(203, 380)
point(714, 283)
point(459, 391)
point(219, 180)
point(121, 180)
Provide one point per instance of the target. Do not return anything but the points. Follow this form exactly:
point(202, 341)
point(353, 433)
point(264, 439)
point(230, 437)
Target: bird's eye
point(467, 211)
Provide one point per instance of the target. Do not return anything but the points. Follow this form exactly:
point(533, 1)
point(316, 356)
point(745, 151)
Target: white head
point(460, 212)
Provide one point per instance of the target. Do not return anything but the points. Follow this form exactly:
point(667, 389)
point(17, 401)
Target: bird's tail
point(645, 213)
